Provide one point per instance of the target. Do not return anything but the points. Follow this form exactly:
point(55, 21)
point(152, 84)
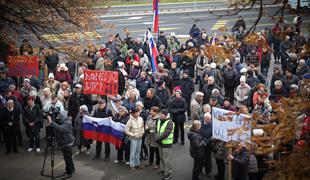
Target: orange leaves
point(218, 53)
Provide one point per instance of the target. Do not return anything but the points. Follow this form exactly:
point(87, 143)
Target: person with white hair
point(46, 96)
point(51, 83)
point(206, 134)
point(80, 140)
point(242, 92)
point(278, 92)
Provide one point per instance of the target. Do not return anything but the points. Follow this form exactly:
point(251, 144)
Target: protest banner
point(229, 126)
point(23, 65)
point(100, 82)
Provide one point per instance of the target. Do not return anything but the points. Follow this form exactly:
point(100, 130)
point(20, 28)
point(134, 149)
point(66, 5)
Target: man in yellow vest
point(164, 138)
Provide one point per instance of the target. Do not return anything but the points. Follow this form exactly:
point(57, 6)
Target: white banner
point(229, 126)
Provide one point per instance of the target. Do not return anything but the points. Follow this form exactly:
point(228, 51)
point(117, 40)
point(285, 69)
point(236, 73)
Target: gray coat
point(150, 127)
point(80, 140)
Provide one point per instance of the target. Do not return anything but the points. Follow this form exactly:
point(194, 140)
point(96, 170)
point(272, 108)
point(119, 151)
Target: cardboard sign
point(229, 126)
point(23, 65)
point(100, 82)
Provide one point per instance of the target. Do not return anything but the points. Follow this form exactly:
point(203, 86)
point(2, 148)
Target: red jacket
point(63, 75)
point(135, 58)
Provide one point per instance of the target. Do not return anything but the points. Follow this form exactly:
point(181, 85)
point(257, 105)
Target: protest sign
point(23, 65)
point(229, 126)
point(100, 82)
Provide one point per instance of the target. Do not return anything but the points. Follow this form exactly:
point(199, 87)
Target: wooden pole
point(229, 165)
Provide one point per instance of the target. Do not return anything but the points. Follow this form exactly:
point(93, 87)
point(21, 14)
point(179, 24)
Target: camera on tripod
point(52, 111)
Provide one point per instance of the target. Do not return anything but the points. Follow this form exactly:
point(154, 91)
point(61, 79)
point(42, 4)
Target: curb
point(170, 11)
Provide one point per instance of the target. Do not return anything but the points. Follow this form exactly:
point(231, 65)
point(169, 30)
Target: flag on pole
point(153, 50)
point(155, 16)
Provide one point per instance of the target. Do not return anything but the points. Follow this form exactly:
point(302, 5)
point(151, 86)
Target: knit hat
point(186, 72)
point(165, 112)
point(27, 80)
point(102, 101)
point(160, 83)
point(242, 79)
point(51, 75)
point(213, 65)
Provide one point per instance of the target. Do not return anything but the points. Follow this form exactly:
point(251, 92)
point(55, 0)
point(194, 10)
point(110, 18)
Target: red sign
point(100, 82)
point(23, 65)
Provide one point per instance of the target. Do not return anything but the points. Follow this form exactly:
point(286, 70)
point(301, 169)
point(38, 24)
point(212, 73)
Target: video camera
point(52, 111)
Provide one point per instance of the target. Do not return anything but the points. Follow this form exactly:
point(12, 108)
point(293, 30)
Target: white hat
point(51, 75)
point(227, 61)
point(198, 93)
point(172, 34)
point(161, 65)
point(78, 86)
point(190, 44)
point(82, 76)
point(242, 79)
point(27, 80)
point(243, 70)
point(62, 65)
point(135, 63)
point(33, 93)
point(120, 64)
point(84, 107)
point(213, 65)
point(258, 132)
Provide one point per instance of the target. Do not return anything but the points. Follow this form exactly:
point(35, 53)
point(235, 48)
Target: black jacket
point(63, 131)
point(177, 109)
point(143, 85)
point(240, 165)
point(207, 91)
point(32, 115)
point(163, 95)
point(187, 88)
point(103, 113)
point(76, 101)
point(252, 81)
point(206, 133)
point(197, 144)
point(229, 76)
point(148, 103)
point(52, 61)
point(10, 117)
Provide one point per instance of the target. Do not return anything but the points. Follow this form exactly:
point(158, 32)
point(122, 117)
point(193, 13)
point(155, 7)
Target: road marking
point(71, 36)
point(135, 18)
point(219, 24)
point(163, 29)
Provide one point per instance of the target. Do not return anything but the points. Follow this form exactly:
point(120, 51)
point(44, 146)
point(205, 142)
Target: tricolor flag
point(155, 16)
point(153, 50)
point(103, 129)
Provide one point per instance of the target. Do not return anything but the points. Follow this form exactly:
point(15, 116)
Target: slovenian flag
point(153, 50)
point(155, 16)
point(103, 129)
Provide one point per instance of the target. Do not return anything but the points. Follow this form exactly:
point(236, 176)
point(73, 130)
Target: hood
point(63, 116)
point(190, 134)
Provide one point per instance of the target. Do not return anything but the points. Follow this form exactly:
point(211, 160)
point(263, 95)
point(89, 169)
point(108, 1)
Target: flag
point(155, 16)
point(103, 129)
point(153, 50)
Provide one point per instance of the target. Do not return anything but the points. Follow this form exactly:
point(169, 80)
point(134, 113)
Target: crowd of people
point(155, 105)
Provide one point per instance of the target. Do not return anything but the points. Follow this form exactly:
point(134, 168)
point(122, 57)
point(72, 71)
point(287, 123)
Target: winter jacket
point(177, 109)
point(155, 101)
point(63, 76)
point(201, 63)
point(143, 85)
point(265, 62)
point(52, 85)
point(144, 62)
point(4, 84)
point(288, 82)
point(150, 128)
point(242, 94)
point(240, 165)
point(7, 117)
point(219, 149)
point(229, 76)
point(253, 167)
point(196, 109)
point(130, 105)
point(74, 103)
point(277, 94)
point(187, 88)
point(197, 144)
point(135, 127)
point(33, 114)
point(252, 59)
point(252, 81)
point(80, 140)
point(164, 96)
point(206, 134)
point(52, 61)
point(64, 136)
point(166, 133)
point(207, 91)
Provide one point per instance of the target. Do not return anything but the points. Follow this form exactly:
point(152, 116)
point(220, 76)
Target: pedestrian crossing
point(219, 24)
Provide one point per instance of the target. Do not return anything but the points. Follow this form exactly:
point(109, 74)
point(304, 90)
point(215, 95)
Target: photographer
point(196, 148)
point(63, 135)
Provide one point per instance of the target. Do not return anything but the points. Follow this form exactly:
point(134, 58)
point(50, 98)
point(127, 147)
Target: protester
point(196, 105)
point(80, 140)
point(164, 138)
point(197, 145)
point(240, 160)
point(135, 131)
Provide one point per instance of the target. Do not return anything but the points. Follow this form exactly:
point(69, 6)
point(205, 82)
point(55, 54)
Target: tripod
point(51, 142)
